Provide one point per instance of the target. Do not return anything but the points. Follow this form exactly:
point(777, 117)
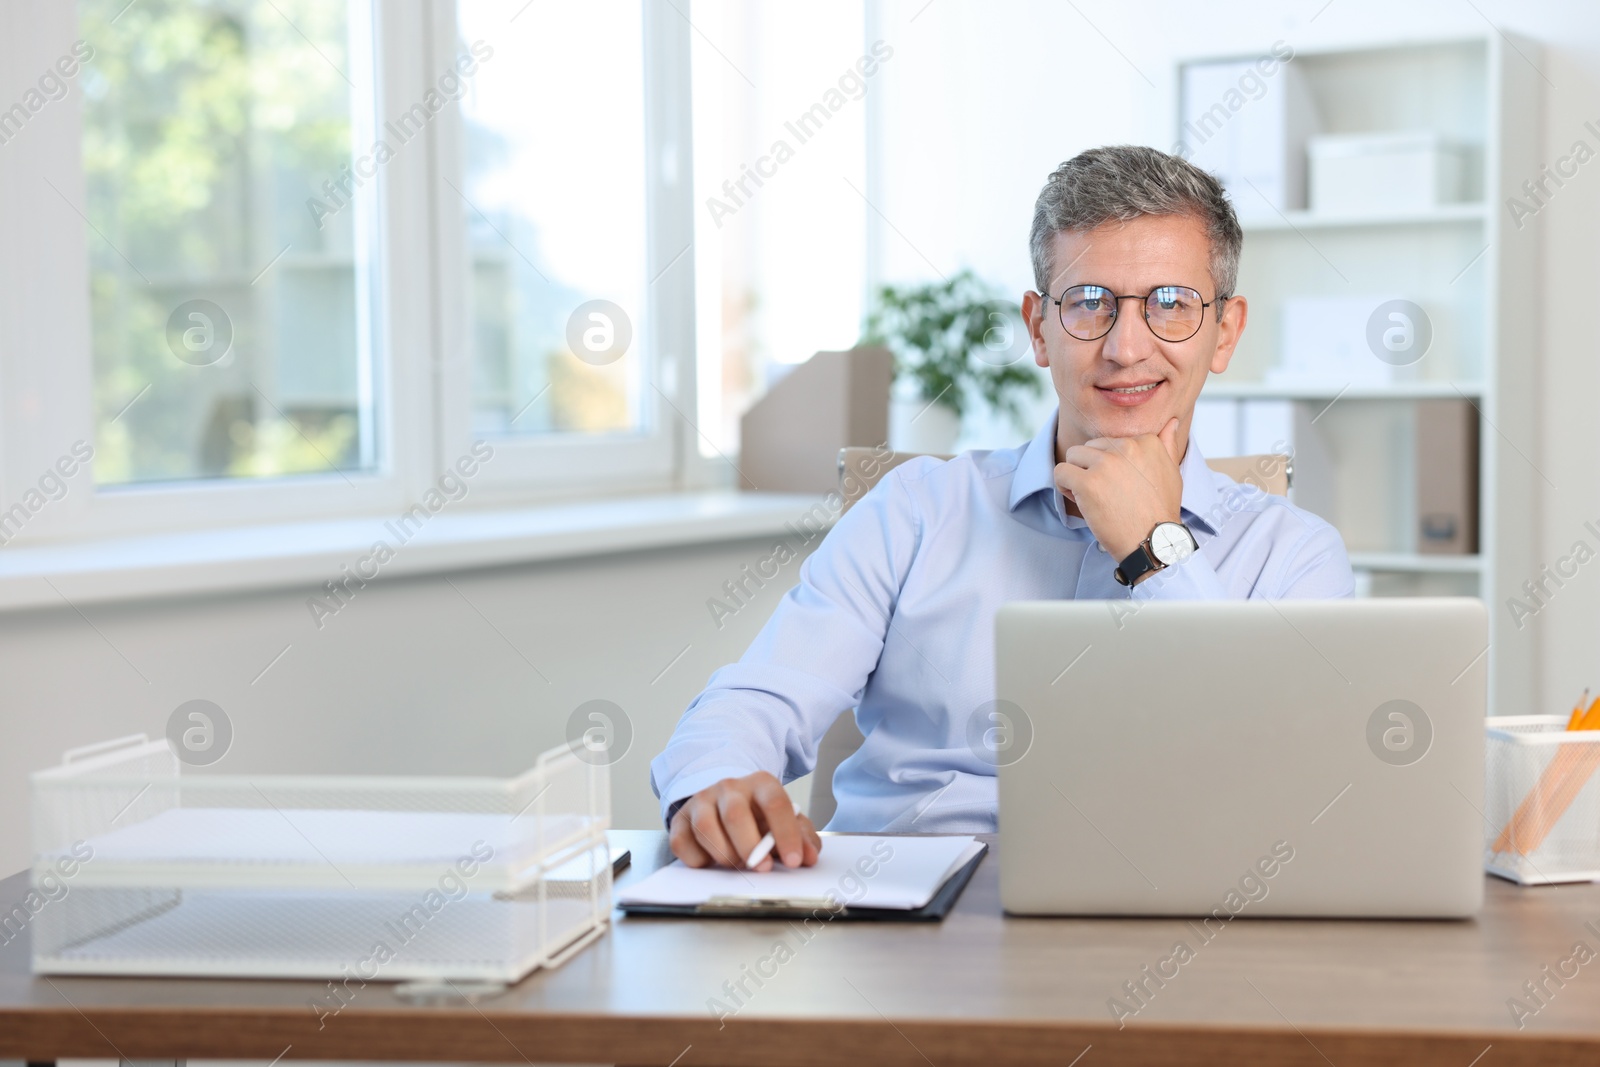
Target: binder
point(1447, 477)
point(733, 907)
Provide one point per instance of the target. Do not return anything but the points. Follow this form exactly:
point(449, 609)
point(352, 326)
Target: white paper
point(867, 872)
point(319, 836)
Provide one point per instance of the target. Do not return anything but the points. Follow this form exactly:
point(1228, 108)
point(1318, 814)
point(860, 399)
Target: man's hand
point(720, 825)
point(1124, 486)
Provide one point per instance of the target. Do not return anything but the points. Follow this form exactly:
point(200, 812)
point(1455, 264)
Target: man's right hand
point(722, 824)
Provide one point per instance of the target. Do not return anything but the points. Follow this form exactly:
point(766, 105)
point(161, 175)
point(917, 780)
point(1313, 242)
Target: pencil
point(1581, 763)
point(1549, 799)
point(1585, 759)
point(1577, 712)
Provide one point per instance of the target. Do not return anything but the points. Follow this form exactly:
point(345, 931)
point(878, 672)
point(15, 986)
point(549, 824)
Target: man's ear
point(1033, 318)
point(1228, 333)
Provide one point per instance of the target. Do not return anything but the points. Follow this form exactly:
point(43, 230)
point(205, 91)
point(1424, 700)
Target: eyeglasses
point(1173, 312)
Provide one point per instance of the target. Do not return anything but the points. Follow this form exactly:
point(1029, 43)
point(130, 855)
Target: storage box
point(148, 871)
point(1384, 173)
point(1542, 800)
point(790, 438)
point(1447, 477)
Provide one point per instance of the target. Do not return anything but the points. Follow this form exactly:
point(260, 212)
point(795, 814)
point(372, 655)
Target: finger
point(1086, 457)
point(1169, 437)
point(708, 832)
point(684, 845)
point(734, 805)
point(1070, 478)
point(1082, 456)
point(811, 843)
point(777, 812)
point(1122, 446)
point(1130, 449)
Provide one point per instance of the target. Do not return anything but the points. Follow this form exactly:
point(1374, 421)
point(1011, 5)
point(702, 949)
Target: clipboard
point(805, 907)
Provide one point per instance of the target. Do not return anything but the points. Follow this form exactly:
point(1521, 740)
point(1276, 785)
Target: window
point(780, 211)
point(292, 258)
point(228, 269)
point(564, 203)
point(553, 199)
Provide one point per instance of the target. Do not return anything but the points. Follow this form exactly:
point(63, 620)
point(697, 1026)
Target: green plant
point(956, 340)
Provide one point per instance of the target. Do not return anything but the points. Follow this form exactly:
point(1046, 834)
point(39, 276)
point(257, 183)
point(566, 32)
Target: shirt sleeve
point(1318, 567)
point(812, 659)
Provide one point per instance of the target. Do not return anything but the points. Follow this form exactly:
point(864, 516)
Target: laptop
point(1233, 759)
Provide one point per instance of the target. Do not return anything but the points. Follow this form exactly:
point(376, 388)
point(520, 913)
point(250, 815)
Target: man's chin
point(1125, 423)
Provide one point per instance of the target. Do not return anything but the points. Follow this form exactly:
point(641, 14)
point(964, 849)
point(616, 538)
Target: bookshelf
point(1417, 563)
point(1300, 219)
point(1227, 388)
point(1466, 264)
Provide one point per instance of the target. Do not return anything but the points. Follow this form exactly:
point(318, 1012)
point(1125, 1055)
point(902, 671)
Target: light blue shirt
point(894, 616)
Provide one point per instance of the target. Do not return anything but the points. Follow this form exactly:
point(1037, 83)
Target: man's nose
point(1130, 340)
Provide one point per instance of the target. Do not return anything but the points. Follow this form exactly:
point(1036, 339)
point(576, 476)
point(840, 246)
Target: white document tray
point(143, 870)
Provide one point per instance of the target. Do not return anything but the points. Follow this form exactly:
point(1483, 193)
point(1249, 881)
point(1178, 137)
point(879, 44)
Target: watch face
point(1171, 542)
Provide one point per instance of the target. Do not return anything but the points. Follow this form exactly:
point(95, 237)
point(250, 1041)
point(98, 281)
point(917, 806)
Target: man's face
point(1093, 378)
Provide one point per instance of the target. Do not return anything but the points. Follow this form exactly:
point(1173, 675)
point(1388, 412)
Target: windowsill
point(310, 553)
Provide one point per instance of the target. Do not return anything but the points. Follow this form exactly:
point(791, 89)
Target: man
point(1135, 255)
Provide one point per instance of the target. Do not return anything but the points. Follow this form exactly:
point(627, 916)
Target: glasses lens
point(1087, 311)
point(1174, 312)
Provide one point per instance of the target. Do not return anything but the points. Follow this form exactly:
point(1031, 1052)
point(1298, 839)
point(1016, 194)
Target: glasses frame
point(1144, 301)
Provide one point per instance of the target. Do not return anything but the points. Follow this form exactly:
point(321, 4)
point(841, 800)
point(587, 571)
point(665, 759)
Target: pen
point(764, 846)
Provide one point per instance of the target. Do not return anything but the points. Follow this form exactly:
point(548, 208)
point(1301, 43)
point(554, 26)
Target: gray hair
point(1121, 182)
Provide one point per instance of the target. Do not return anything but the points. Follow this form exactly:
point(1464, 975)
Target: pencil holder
point(143, 868)
point(1542, 799)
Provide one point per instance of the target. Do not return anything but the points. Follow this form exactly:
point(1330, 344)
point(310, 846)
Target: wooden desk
point(977, 989)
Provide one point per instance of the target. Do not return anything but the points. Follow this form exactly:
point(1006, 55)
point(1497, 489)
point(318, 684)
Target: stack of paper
point(333, 847)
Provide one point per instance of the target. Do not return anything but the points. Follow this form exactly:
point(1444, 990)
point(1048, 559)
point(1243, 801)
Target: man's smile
point(1130, 394)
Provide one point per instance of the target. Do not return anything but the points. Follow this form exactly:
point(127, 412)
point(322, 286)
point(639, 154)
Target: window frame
point(421, 316)
point(560, 465)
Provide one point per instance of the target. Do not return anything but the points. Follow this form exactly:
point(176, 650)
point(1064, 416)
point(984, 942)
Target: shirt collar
point(1036, 469)
point(1201, 494)
point(1036, 473)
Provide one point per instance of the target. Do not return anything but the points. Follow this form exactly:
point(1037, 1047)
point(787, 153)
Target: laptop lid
point(1242, 758)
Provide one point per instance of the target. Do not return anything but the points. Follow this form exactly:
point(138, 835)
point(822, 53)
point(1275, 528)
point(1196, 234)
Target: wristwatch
point(1168, 543)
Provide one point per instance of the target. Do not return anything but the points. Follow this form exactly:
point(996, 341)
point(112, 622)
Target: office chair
point(860, 469)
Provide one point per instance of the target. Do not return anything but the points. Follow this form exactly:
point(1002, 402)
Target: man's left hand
point(1124, 486)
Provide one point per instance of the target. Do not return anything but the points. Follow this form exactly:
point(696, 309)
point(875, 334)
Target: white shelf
point(1225, 390)
point(1444, 214)
point(1457, 260)
point(1415, 563)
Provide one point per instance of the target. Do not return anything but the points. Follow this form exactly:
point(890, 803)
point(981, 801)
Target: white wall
point(408, 678)
point(983, 101)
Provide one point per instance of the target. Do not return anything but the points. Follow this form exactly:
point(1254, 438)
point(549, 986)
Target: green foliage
point(205, 127)
point(951, 338)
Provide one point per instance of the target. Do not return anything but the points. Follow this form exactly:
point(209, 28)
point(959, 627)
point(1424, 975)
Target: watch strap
point(1139, 563)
